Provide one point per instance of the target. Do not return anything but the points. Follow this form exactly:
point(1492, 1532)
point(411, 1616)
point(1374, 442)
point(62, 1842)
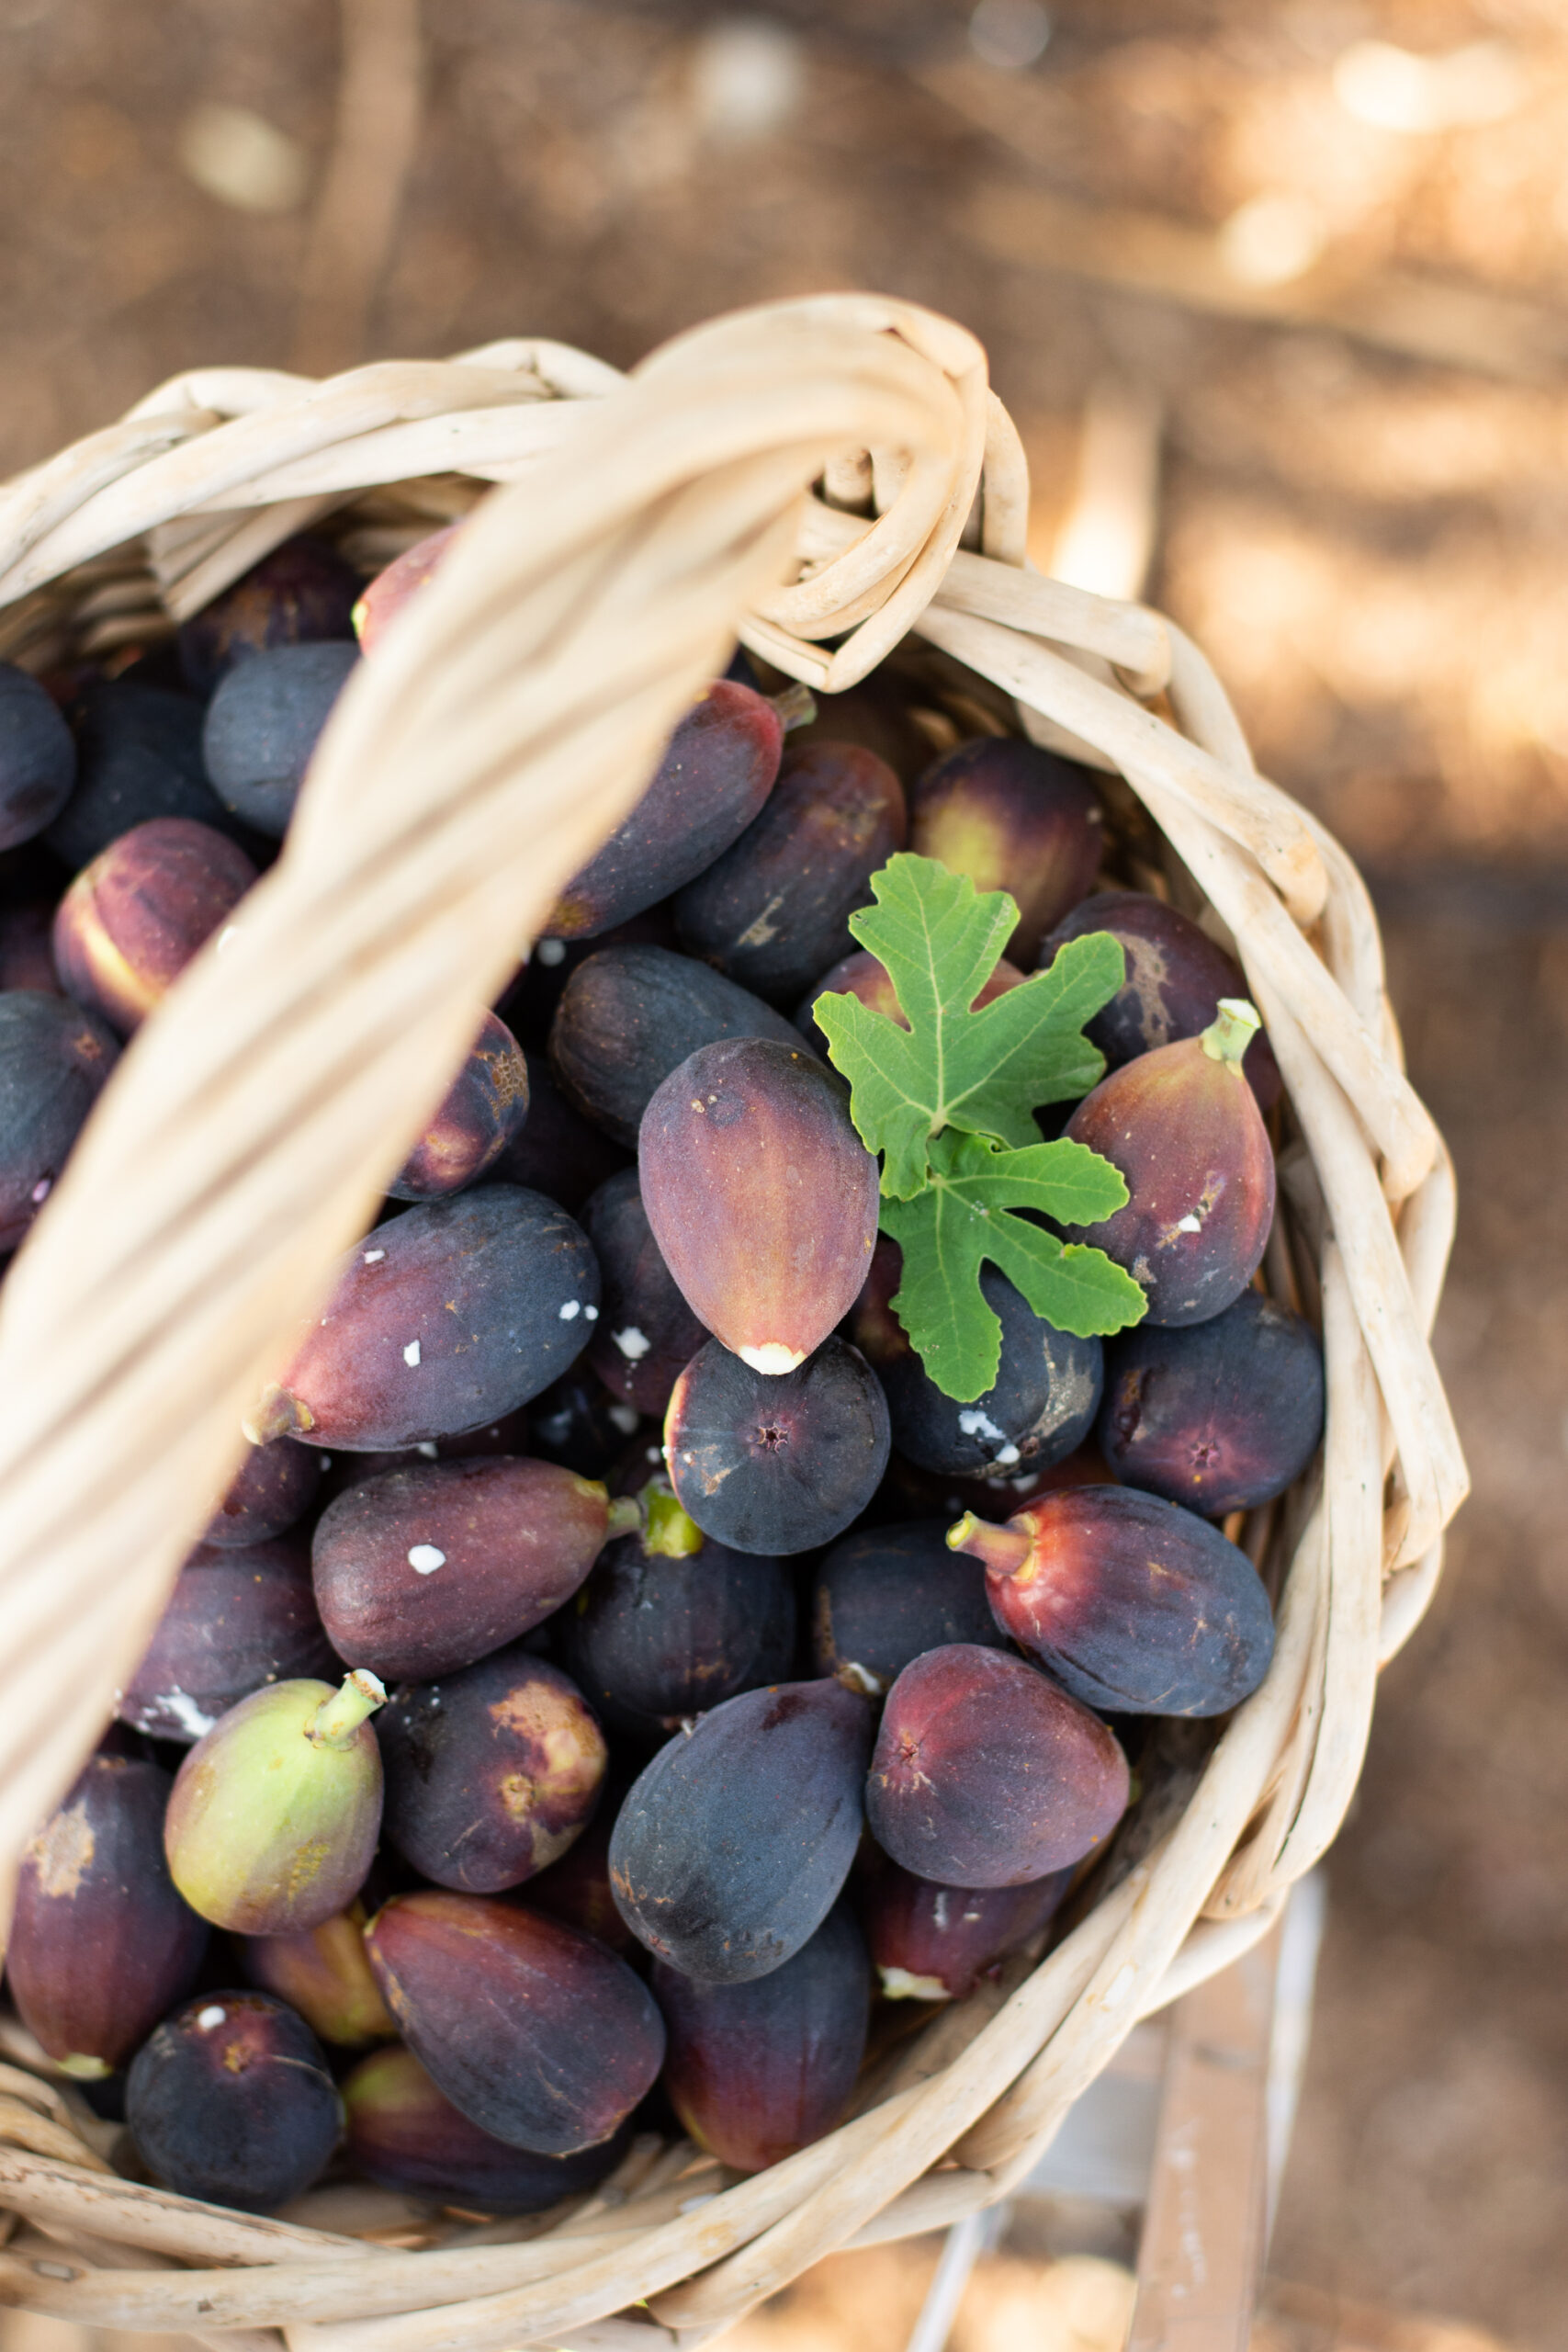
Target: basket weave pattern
point(494, 738)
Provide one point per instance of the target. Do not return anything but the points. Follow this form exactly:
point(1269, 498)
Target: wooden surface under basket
point(496, 735)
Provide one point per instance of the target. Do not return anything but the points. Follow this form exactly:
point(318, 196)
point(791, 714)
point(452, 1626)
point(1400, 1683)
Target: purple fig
point(931, 1942)
point(132, 921)
point(231, 2102)
point(54, 1059)
point(777, 1463)
point(406, 2135)
point(322, 1972)
point(483, 1108)
point(238, 1617)
point(1014, 818)
point(273, 1486)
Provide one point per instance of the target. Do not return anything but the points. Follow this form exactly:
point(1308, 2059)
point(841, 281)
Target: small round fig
point(482, 1110)
point(931, 1942)
point(406, 2135)
point(777, 1463)
point(322, 1972)
point(232, 2101)
point(238, 1617)
point(133, 920)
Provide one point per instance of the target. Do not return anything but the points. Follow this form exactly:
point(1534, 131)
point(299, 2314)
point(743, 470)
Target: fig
point(406, 2135)
point(888, 1594)
point(987, 1774)
point(101, 1944)
point(532, 999)
point(391, 590)
point(53, 1061)
point(760, 1195)
point(262, 725)
point(1176, 977)
point(273, 1486)
point(1134, 1604)
point(483, 1108)
point(556, 1151)
point(757, 2070)
point(576, 1888)
point(777, 1463)
point(1013, 818)
point(735, 1841)
point(232, 2101)
point(240, 1617)
point(645, 1334)
point(1221, 1416)
point(443, 1318)
point(536, 2032)
point(138, 756)
point(491, 1773)
point(930, 1942)
point(323, 1974)
point(866, 976)
point(26, 947)
point(631, 1016)
point(670, 1624)
point(300, 593)
point(1183, 1127)
point(132, 921)
point(421, 1571)
point(776, 907)
point(38, 757)
point(274, 1813)
point(716, 771)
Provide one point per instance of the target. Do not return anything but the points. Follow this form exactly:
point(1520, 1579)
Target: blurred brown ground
point(1372, 546)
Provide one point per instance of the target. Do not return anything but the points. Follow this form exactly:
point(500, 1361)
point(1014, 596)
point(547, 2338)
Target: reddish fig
point(931, 1942)
point(1015, 818)
point(406, 2135)
point(1134, 1604)
point(760, 1195)
point(556, 1151)
point(777, 1463)
point(422, 1570)
point(402, 579)
point(1183, 1127)
point(987, 1774)
point(238, 1617)
point(274, 1813)
point(884, 1596)
point(483, 1108)
point(534, 2032)
point(734, 1843)
point(53, 1061)
point(231, 2102)
point(645, 1334)
point(302, 592)
point(273, 1486)
point(101, 1944)
point(864, 975)
point(756, 2071)
point(132, 921)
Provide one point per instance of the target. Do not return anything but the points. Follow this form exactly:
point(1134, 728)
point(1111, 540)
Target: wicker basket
point(473, 764)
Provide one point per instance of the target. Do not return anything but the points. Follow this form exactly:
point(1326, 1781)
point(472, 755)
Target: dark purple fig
point(231, 2102)
point(273, 1486)
point(275, 1811)
point(884, 1596)
point(1220, 1417)
point(576, 1888)
point(1183, 1127)
point(1176, 977)
point(1013, 818)
point(536, 2032)
point(322, 1972)
point(300, 593)
point(864, 975)
point(38, 757)
point(735, 1841)
point(240, 1617)
point(876, 714)
point(26, 947)
point(670, 1624)
point(53, 1061)
point(1134, 1604)
point(716, 771)
point(391, 589)
point(422, 1570)
point(556, 1151)
point(264, 723)
point(132, 921)
point(645, 1334)
point(775, 908)
point(533, 996)
point(405, 2135)
point(101, 1944)
point(762, 1196)
point(631, 1016)
point(931, 1942)
point(777, 1462)
point(484, 1107)
point(576, 1424)
point(491, 1773)
point(908, 1492)
point(442, 1318)
point(987, 1774)
point(757, 2070)
point(138, 756)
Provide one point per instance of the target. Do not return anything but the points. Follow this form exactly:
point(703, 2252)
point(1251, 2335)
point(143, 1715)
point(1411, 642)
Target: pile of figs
point(619, 1682)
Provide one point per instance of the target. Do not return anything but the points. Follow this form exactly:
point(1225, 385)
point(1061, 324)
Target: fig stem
point(337, 1719)
point(797, 706)
point(277, 1415)
point(1231, 1032)
point(668, 1533)
point(623, 1518)
point(1003, 1549)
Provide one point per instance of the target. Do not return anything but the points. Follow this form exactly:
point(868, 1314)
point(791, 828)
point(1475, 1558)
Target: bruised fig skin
point(1013, 818)
point(322, 1972)
point(133, 920)
point(777, 1463)
point(446, 1317)
point(420, 1571)
point(102, 1945)
point(646, 1333)
point(757, 2071)
point(734, 1843)
point(930, 1942)
point(1221, 1417)
point(887, 1595)
point(483, 1108)
point(1133, 1604)
point(1183, 1127)
point(556, 1151)
point(864, 975)
point(491, 1773)
point(239, 1618)
point(273, 1486)
point(406, 2135)
point(54, 1059)
point(402, 579)
point(232, 2101)
point(762, 1196)
point(536, 2032)
point(987, 1774)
